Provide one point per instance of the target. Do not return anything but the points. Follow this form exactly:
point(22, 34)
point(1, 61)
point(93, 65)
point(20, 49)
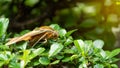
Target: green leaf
point(113, 60)
point(59, 56)
point(62, 32)
point(36, 52)
point(98, 66)
point(114, 66)
point(113, 53)
point(103, 53)
point(107, 52)
point(44, 60)
point(25, 58)
point(55, 62)
point(68, 51)
point(73, 48)
point(68, 41)
point(22, 45)
point(31, 2)
point(36, 62)
point(3, 25)
point(88, 46)
point(80, 66)
point(95, 59)
point(14, 63)
point(55, 26)
point(55, 49)
point(4, 47)
point(25, 54)
point(79, 45)
point(84, 64)
point(66, 59)
point(70, 32)
point(74, 57)
point(3, 57)
point(98, 43)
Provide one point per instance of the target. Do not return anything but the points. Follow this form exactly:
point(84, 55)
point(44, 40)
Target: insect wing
point(25, 37)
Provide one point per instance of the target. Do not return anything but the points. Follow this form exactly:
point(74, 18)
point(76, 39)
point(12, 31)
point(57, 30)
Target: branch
point(28, 22)
point(49, 12)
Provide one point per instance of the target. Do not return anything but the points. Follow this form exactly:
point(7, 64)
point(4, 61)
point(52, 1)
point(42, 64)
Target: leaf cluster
point(62, 52)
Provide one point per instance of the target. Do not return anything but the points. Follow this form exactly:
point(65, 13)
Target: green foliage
point(93, 55)
point(55, 48)
point(3, 25)
point(31, 2)
point(64, 51)
point(94, 19)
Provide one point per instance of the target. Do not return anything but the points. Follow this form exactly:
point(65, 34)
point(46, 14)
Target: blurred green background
point(94, 19)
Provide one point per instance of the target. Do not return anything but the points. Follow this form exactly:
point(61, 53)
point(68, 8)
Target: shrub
point(62, 52)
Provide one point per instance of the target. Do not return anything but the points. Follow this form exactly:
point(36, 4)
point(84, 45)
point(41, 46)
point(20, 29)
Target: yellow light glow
point(118, 3)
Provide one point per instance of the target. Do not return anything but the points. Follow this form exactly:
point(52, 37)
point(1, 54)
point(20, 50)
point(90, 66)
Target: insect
point(38, 34)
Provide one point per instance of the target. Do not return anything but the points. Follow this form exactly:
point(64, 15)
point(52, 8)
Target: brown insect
point(42, 33)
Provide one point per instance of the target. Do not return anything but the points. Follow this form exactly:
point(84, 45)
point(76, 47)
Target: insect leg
point(45, 40)
point(39, 39)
